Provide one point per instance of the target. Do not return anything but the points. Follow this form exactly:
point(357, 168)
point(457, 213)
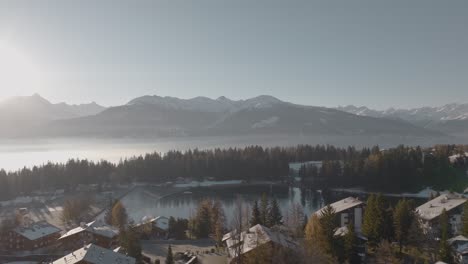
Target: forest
point(400, 169)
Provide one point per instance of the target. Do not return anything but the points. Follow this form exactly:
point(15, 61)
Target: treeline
point(403, 167)
point(398, 169)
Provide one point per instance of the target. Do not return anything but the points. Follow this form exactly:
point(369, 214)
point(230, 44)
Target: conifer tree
point(445, 250)
point(130, 242)
point(169, 257)
point(465, 219)
point(327, 221)
point(349, 243)
point(274, 214)
point(368, 226)
point(374, 219)
point(255, 219)
point(402, 219)
point(264, 206)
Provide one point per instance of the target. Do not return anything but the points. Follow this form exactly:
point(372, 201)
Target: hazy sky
point(376, 53)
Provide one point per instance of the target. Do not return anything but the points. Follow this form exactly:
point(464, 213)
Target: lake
point(152, 202)
point(145, 202)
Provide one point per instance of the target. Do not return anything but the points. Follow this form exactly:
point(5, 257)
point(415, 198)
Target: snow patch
point(266, 122)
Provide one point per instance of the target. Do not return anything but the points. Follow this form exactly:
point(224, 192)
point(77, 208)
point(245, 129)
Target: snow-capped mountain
point(202, 116)
point(205, 104)
point(156, 116)
point(447, 112)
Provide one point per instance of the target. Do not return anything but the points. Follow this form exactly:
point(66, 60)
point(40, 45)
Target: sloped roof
point(37, 230)
point(95, 255)
point(342, 205)
point(459, 238)
point(92, 227)
point(434, 207)
point(256, 236)
point(161, 222)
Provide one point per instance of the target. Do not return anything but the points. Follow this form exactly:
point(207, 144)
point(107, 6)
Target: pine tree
point(129, 240)
point(445, 250)
point(274, 214)
point(349, 243)
point(169, 257)
point(370, 216)
point(264, 206)
point(416, 236)
point(374, 219)
point(203, 219)
point(402, 219)
point(328, 224)
point(255, 219)
point(465, 219)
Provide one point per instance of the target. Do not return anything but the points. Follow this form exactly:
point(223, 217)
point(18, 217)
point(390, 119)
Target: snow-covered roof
point(434, 208)
point(459, 238)
point(342, 205)
point(341, 231)
point(460, 244)
point(256, 236)
point(105, 231)
point(92, 227)
point(454, 158)
point(160, 222)
point(37, 230)
point(95, 255)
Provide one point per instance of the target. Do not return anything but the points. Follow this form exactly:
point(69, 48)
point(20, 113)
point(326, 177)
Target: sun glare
point(17, 72)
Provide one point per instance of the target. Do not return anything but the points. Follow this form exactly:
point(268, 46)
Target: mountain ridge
point(156, 116)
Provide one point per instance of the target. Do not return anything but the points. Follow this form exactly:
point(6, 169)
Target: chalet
point(92, 254)
point(250, 243)
point(460, 248)
point(101, 235)
point(30, 236)
point(348, 211)
point(153, 227)
point(430, 213)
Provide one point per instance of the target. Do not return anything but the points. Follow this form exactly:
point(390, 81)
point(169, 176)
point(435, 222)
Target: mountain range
point(156, 116)
point(450, 118)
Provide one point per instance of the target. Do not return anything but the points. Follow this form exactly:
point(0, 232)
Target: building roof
point(160, 222)
point(254, 237)
point(341, 231)
point(37, 230)
point(103, 230)
point(95, 255)
point(342, 205)
point(434, 208)
point(460, 244)
point(459, 238)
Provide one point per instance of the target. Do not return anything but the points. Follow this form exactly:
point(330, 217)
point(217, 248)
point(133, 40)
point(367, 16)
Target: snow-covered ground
point(295, 166)
point(206, 183)
point(425, 193)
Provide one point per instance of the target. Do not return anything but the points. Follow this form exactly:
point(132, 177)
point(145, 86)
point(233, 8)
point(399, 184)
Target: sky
point(380, 54)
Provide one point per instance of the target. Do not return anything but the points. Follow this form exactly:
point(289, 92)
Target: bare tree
point(295, 220)
point(239, 225)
